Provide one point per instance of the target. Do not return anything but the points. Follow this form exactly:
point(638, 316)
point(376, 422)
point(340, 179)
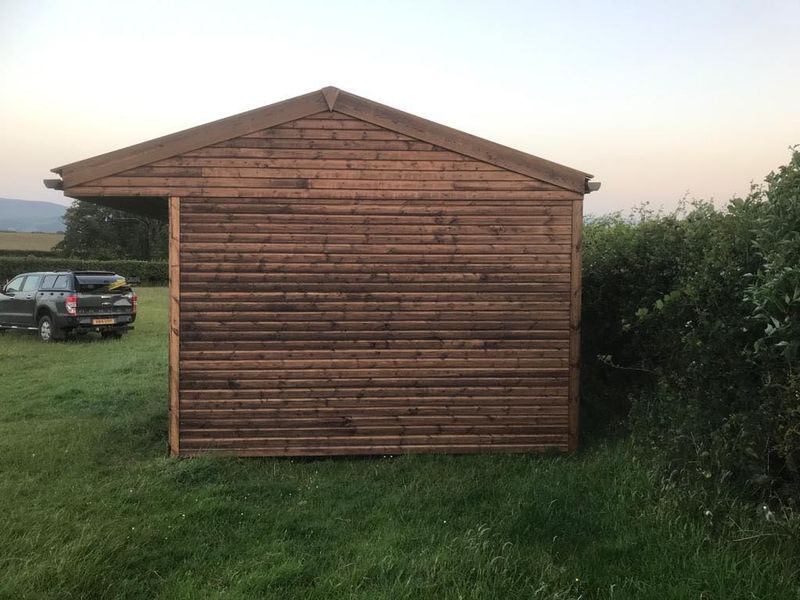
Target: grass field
point(91, 507)
point(29, 241)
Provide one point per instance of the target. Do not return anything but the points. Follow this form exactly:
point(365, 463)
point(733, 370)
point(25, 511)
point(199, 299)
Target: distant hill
point(25, 215)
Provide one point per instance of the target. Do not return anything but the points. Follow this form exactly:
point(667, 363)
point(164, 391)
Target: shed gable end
point(327, 152)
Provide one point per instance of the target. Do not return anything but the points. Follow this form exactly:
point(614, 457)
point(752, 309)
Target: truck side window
point(31, 283)
point(48, 282)
point(15, 285)
point(62, 283)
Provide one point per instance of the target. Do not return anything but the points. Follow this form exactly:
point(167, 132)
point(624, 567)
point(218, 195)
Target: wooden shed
point(347, 278)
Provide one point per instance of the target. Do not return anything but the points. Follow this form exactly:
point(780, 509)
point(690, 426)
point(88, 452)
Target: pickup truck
point(58, 304)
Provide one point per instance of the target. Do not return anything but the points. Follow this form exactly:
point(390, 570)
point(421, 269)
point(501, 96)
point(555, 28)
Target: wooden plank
point(423, 345)
point(489, 336)
point(327, 154)
point(505, 231)
point(199, 190)
point(345, 173)
point(174, 323)
point(369, 238)
point(575, 324)
point(371, 382)
point(303, 277)
point(401, 440)
point(377, 354)
point(429, 400)
point(442, 163)
point(328, 449)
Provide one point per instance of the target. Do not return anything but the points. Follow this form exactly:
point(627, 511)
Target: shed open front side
point(350, 279)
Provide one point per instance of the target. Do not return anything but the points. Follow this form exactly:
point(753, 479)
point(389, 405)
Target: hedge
point(18, 253)
point(150, 272)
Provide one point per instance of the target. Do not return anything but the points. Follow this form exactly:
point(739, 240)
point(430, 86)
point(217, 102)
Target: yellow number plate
point(102, 321)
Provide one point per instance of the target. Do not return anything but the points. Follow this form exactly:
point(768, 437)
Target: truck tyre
point(47, 329)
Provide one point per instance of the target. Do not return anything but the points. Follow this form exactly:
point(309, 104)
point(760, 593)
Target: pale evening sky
point(657, 99)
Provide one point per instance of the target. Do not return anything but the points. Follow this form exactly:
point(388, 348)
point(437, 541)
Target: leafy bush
point(150, 272)
point(692, 319)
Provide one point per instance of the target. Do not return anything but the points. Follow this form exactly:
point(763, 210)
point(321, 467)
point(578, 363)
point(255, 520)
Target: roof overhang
point(326, 99)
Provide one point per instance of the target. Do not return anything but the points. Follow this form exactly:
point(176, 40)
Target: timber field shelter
point(347, 278)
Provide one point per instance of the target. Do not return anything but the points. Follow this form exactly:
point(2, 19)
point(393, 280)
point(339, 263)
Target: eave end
point(592, 186)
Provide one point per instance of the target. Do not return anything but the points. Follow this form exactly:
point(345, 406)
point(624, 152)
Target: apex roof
point(328, 98)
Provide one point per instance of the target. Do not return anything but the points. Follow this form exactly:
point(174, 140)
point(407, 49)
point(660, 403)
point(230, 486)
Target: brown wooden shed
point(347, 278)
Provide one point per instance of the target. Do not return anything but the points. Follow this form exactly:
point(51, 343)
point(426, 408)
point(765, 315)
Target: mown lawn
point(91, 506)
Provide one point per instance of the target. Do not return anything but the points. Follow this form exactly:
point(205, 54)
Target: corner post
point(576, 265)
point(174, 323)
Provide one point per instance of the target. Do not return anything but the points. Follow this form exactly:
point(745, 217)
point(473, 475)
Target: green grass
point(91, 506)
point(11, 240)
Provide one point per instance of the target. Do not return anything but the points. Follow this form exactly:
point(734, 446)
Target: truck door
point(9, 301)
point(27, 301)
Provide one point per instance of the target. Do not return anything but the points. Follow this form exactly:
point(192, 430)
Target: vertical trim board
point(575, 323)
point(174, 323)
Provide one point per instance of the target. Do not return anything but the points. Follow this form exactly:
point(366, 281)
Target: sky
point(659, 100)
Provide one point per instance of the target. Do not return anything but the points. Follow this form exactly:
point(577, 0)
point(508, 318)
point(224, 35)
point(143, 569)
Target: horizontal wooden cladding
point(373, 381)
point(324, 448)
point(348, 173)
point(395, 296)
point(343, 364)
point(222, 356)
point(376, 345)
point(370, 238)
point(361, 290)
point(327, 144)
point(437, 402)
point(265, 433)
point(370, 206)
point(327, 154)
point(199, 189)
point(255, 425)
point(372, 186)
point(441, 410)
point(362, 249)
point(319, 258)
point(376, 313)
point(324, 133)
point(254, 313)
point(364, 167)
point(242, 334)
point(328, 278)
point(493, 323)
point(249, 304)
point(503, 397)
point(400, 441)
point(291, 412)
point(400, 229)
point(267, 266)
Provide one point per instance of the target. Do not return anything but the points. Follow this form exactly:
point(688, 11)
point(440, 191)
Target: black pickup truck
point(58, 304)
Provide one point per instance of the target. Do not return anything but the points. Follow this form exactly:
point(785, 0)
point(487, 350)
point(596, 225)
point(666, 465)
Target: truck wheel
point(47, 329)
